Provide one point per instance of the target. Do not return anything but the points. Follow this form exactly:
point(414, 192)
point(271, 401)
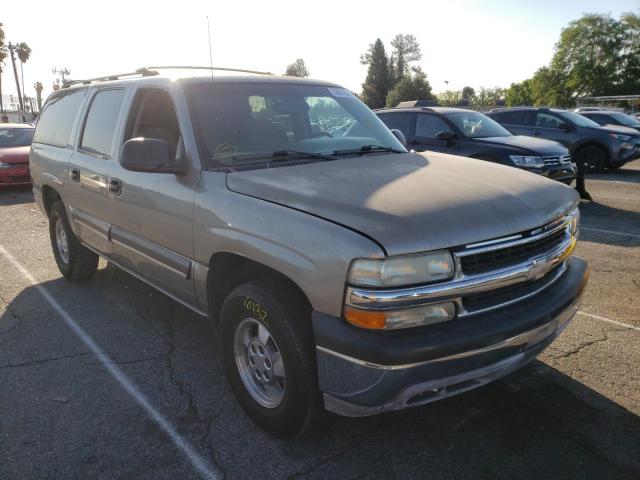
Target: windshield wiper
point(367, 149)
point(285, 155)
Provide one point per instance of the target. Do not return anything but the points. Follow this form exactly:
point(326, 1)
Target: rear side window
point(400, 121)
point(523, 117)
point(57, 118)
point(99, 128)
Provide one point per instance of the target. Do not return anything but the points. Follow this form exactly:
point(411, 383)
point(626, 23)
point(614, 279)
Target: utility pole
point(15, 75)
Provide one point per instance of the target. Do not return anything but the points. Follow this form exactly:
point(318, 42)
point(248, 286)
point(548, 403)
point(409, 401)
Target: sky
point(478, 43)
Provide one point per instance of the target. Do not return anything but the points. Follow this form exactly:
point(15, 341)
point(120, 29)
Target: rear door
point(151, 215)
point(403, 121)
point(90, 166)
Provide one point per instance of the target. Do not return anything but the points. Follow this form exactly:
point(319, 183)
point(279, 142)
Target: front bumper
point(364, 372)
point(564, 173)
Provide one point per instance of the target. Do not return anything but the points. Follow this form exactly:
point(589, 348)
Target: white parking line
point(197, 461)
point(605, 319)
point(612, 232)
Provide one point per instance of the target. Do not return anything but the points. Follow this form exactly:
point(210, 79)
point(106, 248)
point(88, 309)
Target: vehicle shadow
point(16, 195)
point(535, 423)
point(620, 175)
point(599, 216)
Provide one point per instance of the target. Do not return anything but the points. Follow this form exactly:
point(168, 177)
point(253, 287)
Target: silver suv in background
point(597, 147)
point(340, 270)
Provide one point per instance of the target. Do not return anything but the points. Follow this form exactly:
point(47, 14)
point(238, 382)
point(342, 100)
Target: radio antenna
point(210, 54)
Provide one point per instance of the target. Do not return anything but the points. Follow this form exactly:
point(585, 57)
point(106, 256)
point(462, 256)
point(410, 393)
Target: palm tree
point(38, 87)
point(3, 55)
point(24, 52)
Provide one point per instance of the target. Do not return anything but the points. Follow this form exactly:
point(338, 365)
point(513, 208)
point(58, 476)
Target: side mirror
point(448, 136)
point(148, 155)
point(400, 136)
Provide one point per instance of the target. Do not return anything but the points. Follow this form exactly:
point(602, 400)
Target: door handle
point(75, 175)
point(115, 186)
point(537, 132)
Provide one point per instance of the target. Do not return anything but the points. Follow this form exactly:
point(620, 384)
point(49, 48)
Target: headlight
point(575, 222)
point(402, 270)
point(527, 161)
point(618, 136)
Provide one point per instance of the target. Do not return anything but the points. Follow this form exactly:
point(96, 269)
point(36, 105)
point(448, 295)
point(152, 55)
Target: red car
point(15, 142)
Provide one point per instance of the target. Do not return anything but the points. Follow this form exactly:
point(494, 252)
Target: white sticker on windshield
point(340, 92)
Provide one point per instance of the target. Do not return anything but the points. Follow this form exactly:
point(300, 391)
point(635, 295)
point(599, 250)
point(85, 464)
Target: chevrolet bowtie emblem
point(539, 269)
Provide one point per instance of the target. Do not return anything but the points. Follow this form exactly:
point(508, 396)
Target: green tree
point(297, 69)
point(468, 93)
point(377, 84)
point(549, 88)
point(599, 55)
point(519, 94)
point(449, 98)
point(413, 86)
point(406, 50)
point(487, 98)
point(3, 56)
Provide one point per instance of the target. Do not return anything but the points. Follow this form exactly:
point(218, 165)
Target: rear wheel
point(595, 158)
point(75, 261)
point(269, 356)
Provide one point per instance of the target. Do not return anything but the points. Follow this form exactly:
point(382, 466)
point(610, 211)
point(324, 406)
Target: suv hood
point(413, 202)
point(618, 129)
point(528, 145)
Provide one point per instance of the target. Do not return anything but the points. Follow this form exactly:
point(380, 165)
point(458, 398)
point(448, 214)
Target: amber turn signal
point(371, 319)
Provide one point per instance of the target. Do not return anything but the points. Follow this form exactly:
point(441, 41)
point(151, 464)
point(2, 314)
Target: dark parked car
point(471, 134)
point(606, 117)
point(599, 147)
point(15, 143)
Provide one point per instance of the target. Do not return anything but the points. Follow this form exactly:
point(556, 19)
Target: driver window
point(429, 126)
point(154, 116)
point(546, 120)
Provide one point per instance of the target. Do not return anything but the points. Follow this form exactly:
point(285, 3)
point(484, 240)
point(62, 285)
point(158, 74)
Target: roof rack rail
point(189, 67)
point(141, 72)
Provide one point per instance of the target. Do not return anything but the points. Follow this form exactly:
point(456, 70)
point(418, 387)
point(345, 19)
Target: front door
point(427, 128)
point(91, 163)
point(152, 215)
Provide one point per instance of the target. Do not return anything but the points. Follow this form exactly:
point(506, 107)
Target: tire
point(283, 397)
point(75, 262)
point(595, 158)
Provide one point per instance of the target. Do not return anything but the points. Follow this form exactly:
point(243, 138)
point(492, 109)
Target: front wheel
point(269, 357)
point(594, 158)
point(75, 261)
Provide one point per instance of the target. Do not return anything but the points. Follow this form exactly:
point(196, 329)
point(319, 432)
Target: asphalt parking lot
point(153, 403)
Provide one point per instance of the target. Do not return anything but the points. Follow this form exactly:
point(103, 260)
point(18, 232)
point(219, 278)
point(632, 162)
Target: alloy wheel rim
point(62, 241)
point(259, 363)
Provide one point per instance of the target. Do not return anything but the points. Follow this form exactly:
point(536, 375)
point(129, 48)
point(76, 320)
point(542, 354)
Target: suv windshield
point(578, 119)
point(15, 137)
point(249, 123)
point(477, 125)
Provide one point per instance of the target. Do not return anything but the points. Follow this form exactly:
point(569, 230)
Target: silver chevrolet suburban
point(341, 270)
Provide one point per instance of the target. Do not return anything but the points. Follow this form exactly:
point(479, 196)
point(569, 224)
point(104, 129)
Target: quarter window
point(57, 118)
point(429, 126)
point(100, 125)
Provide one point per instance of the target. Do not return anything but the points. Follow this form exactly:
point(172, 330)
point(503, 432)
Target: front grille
point(556, 160)
point(505, 257)
point(486, 300)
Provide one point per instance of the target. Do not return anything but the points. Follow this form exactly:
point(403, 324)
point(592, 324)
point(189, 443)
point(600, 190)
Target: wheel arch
point(228, 270)
point(49, 196)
